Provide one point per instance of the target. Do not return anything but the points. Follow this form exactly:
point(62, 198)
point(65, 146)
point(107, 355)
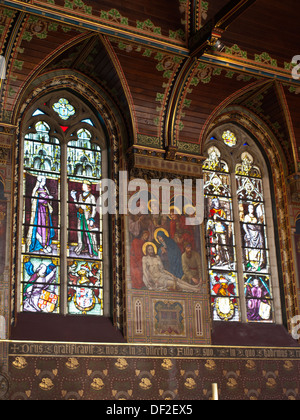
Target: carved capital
point(171, 153)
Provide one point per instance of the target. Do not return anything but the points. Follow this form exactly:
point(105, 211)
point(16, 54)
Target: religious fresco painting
point(165, 251)
point(166, 287)
point(43, 244)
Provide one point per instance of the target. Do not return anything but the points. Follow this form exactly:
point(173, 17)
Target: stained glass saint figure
point(220, 238)
point(86, 212)
point(41, 230)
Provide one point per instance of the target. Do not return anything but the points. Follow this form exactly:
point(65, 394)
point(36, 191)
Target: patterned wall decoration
point(136, 373)
point(6, 19)
point(30, 31)
point(6, 156)
point(150, 119)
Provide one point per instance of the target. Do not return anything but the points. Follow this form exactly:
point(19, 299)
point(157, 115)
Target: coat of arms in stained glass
point(229, 138)
point(64, 109)
point(40, 284)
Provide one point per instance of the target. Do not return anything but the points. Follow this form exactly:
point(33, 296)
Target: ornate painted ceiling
point(159, 62)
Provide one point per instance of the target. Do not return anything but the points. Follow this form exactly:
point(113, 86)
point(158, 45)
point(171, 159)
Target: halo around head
point(160, 230)
point(146, 244)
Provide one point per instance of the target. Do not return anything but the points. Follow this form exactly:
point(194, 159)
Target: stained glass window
point(41, 221)
point(64, 109)
point(85, 283)
point(220, 239)
point(256, 267)
point(229, 138)
point(38, 112)
point(61, 225)
point(238, 256)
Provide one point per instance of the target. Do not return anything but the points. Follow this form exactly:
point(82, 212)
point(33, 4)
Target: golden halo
point(189, 206)
point(177, 210)
point(149, 204)
point(147, 244)
point(160, 230)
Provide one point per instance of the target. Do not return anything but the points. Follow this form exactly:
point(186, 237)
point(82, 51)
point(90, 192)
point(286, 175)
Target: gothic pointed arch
point(235, 119)
point(109, 126)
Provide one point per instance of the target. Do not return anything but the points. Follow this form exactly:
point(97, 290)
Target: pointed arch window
point(242, 268)
point(61, 267)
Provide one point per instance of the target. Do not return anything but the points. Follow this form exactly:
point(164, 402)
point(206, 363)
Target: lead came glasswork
point(41, 221)
point(64, 109)
point(220, 239)
point(43, 199)
point(85, 288)
point(40, 284)
point(229, 138)
point(257, 281)
point(225, 273)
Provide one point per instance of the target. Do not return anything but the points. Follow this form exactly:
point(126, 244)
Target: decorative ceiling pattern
point(156, 18)
point(30, 47)
point(140, 54)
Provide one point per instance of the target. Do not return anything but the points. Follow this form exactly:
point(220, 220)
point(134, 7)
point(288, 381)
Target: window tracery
point(62, 242)
point(239, 266)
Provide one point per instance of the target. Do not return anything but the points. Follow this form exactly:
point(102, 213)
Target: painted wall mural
point(165, 275)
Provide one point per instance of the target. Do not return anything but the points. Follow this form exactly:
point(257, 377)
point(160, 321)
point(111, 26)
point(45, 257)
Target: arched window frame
point(231, 154)
point(82, 119)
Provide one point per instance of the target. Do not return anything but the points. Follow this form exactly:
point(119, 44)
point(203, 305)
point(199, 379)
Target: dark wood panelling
point(267, 26)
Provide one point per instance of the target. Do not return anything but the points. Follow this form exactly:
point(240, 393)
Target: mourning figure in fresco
point(148, 219)
point(156, 278)
point(41, 230)
point(136, 257)
point(180, 232)
point(191, 265)
point(169, 253)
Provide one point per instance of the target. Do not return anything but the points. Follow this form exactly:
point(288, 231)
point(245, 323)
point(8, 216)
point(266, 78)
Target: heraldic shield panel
point(167, 296)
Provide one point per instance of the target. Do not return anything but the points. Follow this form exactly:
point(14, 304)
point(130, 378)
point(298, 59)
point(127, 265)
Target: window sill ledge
point(256, 335)
point(44, 327)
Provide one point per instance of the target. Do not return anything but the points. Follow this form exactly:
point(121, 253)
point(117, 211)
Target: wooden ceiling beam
point(97, 26)
point(210, 33)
